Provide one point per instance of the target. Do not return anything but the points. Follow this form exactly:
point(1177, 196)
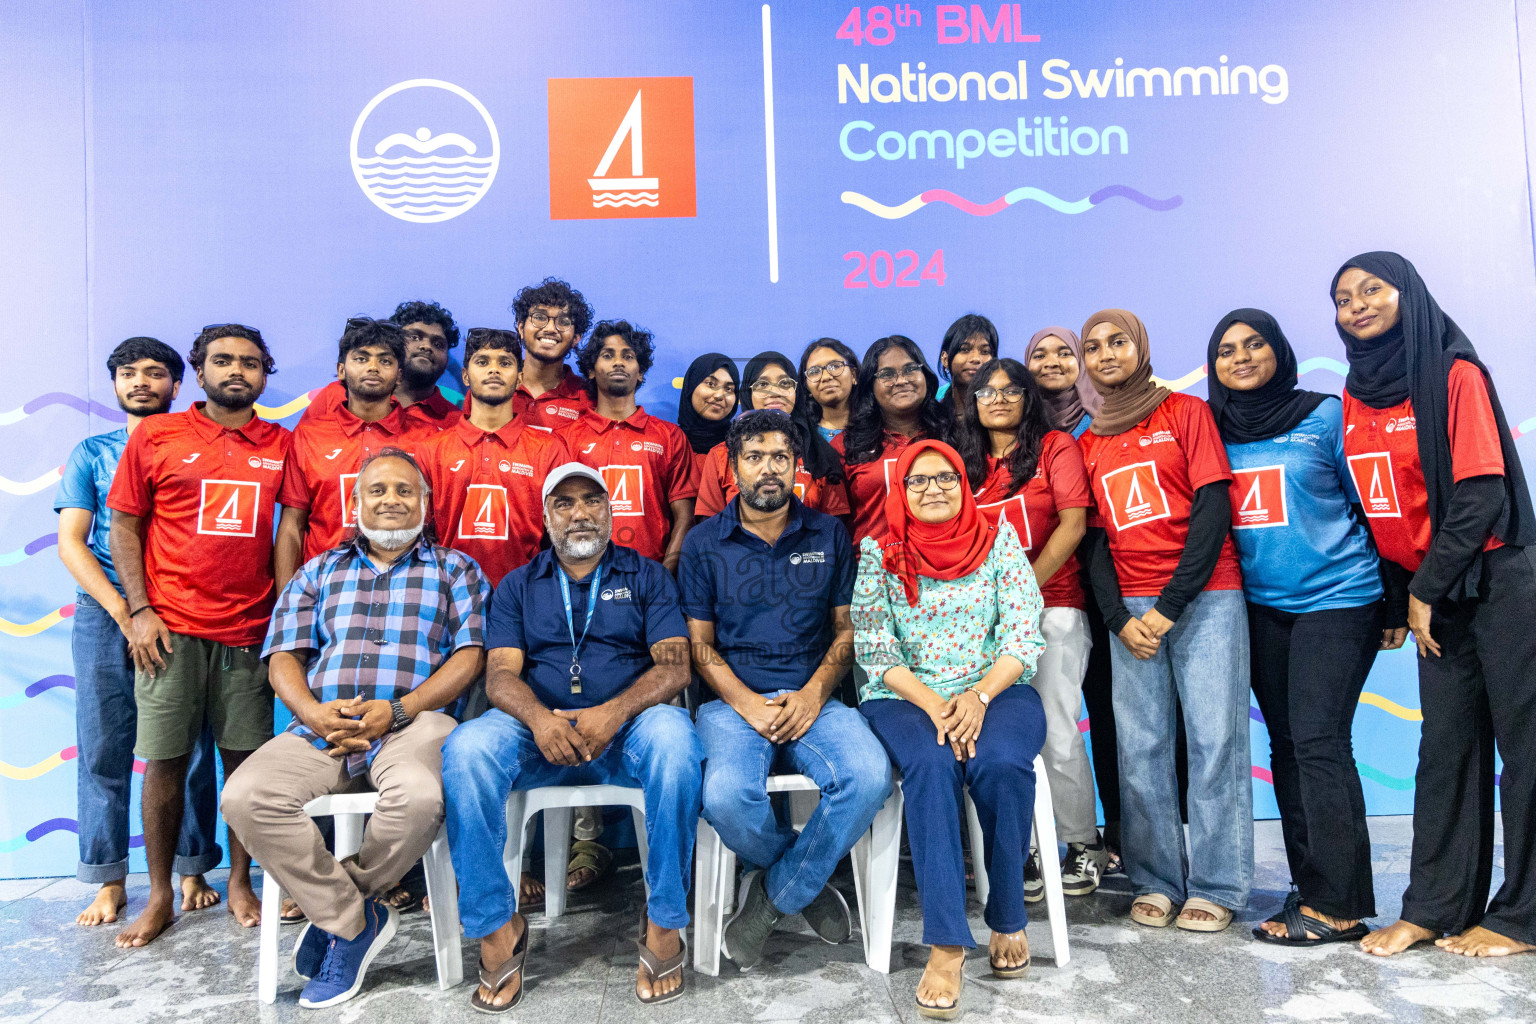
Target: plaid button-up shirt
point(378, 633)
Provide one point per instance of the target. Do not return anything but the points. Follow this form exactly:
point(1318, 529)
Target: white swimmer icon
point(424, 142)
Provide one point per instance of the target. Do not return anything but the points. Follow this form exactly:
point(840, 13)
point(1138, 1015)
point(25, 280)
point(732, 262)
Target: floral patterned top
point(958, 629)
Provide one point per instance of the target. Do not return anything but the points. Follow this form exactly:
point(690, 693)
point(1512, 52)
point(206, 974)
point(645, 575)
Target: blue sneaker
point(346, 961)
point(309, 950)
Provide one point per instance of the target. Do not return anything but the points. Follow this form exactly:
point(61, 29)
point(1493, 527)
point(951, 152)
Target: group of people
point(828, 566)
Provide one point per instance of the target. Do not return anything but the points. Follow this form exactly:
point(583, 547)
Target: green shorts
point(203, 681)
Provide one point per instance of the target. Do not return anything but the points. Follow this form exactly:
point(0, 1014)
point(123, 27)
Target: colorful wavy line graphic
point(36, 626)
point(74, 402)
point(26, 773)
point(25, 487)
point(288, 408)
point(35, 689)
point(44, 828)
point(1391, 707)
point(1018, 195)
point(1381, 778)
point(33, 547)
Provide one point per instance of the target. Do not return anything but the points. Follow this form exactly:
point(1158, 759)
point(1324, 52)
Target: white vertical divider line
point(773, 177)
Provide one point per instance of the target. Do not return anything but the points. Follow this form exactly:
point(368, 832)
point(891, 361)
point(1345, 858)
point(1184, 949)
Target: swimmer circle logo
point(424, 150)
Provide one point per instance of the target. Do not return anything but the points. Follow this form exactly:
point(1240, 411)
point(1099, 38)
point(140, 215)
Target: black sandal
point(1301, 930)
point(497, 980)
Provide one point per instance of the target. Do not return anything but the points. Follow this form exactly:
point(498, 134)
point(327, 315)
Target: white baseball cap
point(562, 473)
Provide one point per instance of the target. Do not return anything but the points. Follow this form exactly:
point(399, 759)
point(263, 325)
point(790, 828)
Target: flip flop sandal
point(942, 1012)
point(1008, 972)
point(284, 919)
point(497, 980)
point(1153, 899)
point(658, 968)
point(1301, 930)
point(1222, 914)
point(592, 856)
point(402, 900)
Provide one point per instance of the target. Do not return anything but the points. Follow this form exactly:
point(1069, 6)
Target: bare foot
point(497, 947)
point(157, 916)
point(1009, 951)
point(110, 900)
point(1479, 941)
point(197, 894)
point(939, 987)
point(1278, 929)
point(244, 903)
point(665, 943)
point(529, 890)
point(1394, 938)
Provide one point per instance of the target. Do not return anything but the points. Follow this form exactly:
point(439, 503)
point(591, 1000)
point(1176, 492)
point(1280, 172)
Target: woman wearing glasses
point(1034, 477)
point(829, 369)
point(769, 383)
point(893, 405)
point(707, 403)
point(1165, 573)
point(946, 615)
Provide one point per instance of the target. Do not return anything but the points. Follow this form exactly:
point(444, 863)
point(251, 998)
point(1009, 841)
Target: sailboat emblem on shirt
point(1372, 473)
point(1263, 501)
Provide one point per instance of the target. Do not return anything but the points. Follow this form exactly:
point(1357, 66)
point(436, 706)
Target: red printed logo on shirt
point(1260, 494)
point(1013, 509)
point(1373, 480)
point(348, 518)
point(1134, 496)
point(228, 508)
point(626, 489)
point(890, 467)
point(485, 513)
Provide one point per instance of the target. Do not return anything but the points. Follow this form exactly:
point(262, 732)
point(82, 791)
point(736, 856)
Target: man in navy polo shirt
point(766, 586)
point(587, 644)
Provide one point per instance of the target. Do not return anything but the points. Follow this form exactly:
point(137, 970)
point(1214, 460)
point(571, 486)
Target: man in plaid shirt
point(367, 642)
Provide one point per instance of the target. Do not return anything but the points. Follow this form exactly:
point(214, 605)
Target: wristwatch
point(401, 719)
point(985, 699)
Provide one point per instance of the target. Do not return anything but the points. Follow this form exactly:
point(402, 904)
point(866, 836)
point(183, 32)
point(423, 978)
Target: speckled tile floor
point(581, 968)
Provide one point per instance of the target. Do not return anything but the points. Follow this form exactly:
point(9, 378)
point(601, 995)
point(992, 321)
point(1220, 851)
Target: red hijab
point(939, 551)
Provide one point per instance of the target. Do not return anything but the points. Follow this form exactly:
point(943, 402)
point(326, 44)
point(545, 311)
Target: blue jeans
point(838, 753)
point(1001, 778)
point(486, 758)
point(1203, 663)
point(106, 719)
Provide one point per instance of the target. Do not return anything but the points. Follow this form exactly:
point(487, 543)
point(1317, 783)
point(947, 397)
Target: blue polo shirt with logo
point(86, 481)
point(771, 605)
point(636, 607)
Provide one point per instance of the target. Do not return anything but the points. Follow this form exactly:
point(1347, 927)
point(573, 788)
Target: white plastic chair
point(556, 802)
point(876, 857)
point(349, 809)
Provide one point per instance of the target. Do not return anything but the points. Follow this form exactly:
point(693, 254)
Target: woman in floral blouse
point(947, 614)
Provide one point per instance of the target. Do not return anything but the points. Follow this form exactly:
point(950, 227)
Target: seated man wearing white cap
point(586, 644)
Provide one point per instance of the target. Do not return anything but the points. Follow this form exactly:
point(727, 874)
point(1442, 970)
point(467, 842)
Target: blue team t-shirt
point(1300, 545)
point(87, 479)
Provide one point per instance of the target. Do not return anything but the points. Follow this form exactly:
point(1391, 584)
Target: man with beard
point(767, 584)
point(327, 450)
point(429, 333)
point(646, 462)
point(587, 644)
point(191, 538)
point(552, 317)
point(365, 692)
point(146, 376)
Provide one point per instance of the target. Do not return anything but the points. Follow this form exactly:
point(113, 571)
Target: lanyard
point(570, 624)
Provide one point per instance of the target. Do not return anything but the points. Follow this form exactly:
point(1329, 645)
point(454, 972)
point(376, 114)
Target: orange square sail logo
point(621, 147)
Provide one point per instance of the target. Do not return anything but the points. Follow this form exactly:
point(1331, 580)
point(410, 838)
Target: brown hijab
point(1065, 409)
point(1126, 404)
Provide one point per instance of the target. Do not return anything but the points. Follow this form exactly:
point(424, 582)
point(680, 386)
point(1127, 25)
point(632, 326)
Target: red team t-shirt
point(486, 491)
point(1382, 446)
point(556, 408)
point(326, 453)
point(717, 486)
point(869, 482)
point(1060, 481)
point(1144, 482)
point(646, 463)
point(208, 496)
point(435, 410)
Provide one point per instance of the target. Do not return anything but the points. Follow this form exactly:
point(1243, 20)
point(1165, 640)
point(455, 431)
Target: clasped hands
point(574, 737)
point(350, 725)
point(957, 721)
point(1143, 636)
point(780, 719)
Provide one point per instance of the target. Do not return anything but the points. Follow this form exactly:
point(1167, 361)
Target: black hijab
point(704, 434)
point(1268, 411)
point(1414, 360)
point(821, 459)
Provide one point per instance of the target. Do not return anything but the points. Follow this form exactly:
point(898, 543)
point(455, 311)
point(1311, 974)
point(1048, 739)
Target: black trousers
point(1481, 691)
point(1098, 694)
point(1308, 670)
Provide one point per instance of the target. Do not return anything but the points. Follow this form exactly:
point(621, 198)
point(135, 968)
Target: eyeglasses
point(888, 375)
point(834, 369)
point(946, 481)
point(763, 384)
point(539, 318)
point(987, 394)
point(354, 322)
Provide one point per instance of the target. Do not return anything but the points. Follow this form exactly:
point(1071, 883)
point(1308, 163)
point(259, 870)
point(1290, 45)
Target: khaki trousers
point(264, 805)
